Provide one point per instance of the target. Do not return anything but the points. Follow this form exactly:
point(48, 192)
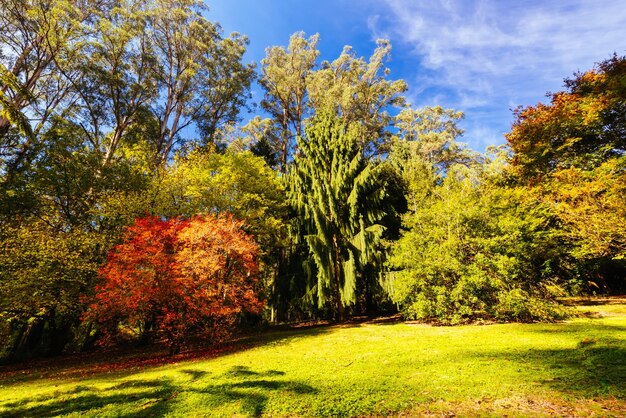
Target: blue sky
point(481, 57)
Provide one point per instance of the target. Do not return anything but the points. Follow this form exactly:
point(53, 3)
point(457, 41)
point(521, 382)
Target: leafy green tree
point(107, 65)
point(200, 75)
point(43, 273)
point(40, 40)
point(473, 249)
point(360, 93)
point(339, 197)
point(424, 148)
point(284, 77)
point(432, 133)
point(239, 183)
point(114, 79)
point(264, 139)
point(355, 89)
point(55, 233)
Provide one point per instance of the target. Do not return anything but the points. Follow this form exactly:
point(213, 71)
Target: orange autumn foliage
point(176, 279)
point(581, 127)
point(571, 156)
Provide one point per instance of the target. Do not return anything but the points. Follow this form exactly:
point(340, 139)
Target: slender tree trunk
point(172, 135)
point(337, 267)
point(285, 143)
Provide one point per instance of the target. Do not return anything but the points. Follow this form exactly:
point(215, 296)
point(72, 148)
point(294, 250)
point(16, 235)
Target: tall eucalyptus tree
point(361, 93)
point(285, 74)
point(39, 41)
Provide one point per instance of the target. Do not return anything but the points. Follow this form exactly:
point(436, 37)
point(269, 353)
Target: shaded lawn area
point(576, 368)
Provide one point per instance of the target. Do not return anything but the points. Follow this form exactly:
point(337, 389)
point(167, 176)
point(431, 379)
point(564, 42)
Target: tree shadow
point(244, 371)
point(195, 374)
point(594, 367)
point(594, 301)
point(67, 404)
point(375, 320)
point(569, 328)
point(244, 388)
point(252, 388)
point(241, 371)
point(127, 362)
point(88, 399)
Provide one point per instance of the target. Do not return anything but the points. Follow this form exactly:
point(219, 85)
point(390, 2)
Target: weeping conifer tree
point(339, 196)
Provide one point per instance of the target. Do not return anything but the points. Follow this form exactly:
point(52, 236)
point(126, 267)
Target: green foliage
point(93, 98)
point(55, 233)
point(432, 133)
point(38, 40)
point(472, 250)
point(43, 274)
point(360, 93)
point(339, 197)
point(239, 183)
point(9, 111)
point(110, 66)
point(284, 78)
point(351, 87)
point(199, 73)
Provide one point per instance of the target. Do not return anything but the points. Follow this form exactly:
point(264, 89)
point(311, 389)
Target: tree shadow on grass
point(595, 301)
point(247, 389)
point(195, 374)
point(579, 328)
point(251, 389)
point(585, 371)
point(127, 362)
point(594, 367)
point(244, 371)
point(89, 397)
point(65, 403)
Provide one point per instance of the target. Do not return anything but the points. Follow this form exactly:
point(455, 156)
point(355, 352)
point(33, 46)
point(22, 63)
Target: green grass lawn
point(566, 369)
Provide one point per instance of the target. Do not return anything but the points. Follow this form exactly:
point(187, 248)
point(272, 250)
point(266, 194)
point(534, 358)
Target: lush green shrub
point(473, 250)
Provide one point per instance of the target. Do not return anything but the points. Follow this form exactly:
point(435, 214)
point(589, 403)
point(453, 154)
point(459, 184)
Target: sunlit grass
point(572, 368)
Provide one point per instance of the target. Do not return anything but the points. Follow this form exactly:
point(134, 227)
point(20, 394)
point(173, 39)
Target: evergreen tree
point(340, 197)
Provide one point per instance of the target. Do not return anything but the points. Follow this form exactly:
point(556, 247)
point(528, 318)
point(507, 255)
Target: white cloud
point(374, 28)
point(487, 54)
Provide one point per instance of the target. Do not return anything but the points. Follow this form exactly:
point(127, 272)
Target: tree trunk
point(285, 143)
point(337, 267)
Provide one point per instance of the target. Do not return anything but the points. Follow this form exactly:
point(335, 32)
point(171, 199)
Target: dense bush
point(472, 251)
